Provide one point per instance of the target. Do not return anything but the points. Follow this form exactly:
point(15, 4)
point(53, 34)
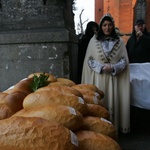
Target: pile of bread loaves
point(59, 116)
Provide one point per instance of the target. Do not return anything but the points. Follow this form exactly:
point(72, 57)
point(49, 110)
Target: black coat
point(138, 51)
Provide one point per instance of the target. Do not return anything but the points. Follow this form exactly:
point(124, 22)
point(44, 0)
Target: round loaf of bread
point(98, 111)
point(68, 82)
point(57, 84)
point(64, 115)
point(89, 87)
point(2, 97)
point(63, 89)
point(101, 93)
point(92, 99)
point(15, 100)
point(88, 92)
point(89, 96)
point(24, 85)
point(44, 98)
point(89, 140)
point(51, 77)
point(5, 111)
point(10, 90)
point(99, 125)
point(31, 133)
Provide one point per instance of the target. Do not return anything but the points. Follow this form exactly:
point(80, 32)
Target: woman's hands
point(100, 68)
point(107, 68)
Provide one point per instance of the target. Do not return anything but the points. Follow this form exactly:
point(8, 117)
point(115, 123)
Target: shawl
point(115, 87)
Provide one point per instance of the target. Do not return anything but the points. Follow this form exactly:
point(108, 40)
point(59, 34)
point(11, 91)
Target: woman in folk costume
point(106, 66)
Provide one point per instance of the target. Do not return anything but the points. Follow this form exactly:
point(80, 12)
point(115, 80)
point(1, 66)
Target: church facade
point(124, 12)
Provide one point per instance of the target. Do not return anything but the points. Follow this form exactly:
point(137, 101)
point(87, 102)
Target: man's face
point(141, 27)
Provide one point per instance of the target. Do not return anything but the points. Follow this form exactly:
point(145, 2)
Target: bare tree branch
point(80, 21)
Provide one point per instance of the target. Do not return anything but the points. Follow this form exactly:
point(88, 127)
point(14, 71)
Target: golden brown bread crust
point(92, 99)
point(64, 115)
point(15, 100)
point(5, 111)
point(68, 82)
point(2, 97)
point(22, 133)
point(44, 98)
point(90, 96)
point(88, 92)
point(24, 85)
point(63, 89)
point(8, 91)
point(98, 111)
point(99, 125)
point(89, 140)
point(101, 93)
point(89, 87)
point(57, 84)
point(51, 77)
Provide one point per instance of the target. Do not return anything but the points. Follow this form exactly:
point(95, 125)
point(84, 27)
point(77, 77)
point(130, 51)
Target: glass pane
point(140, 9)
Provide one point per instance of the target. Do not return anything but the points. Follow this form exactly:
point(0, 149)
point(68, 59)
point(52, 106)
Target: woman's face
point(107, 27)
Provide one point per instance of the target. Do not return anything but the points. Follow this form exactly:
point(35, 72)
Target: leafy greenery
point(39, 82)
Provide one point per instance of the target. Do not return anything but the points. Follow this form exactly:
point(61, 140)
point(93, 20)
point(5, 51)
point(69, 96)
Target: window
point(140, 9)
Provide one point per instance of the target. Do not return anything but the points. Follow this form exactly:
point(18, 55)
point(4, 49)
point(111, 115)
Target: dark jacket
point(139, 51)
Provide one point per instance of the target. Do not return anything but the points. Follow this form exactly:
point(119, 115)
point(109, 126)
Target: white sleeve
point(95, 65)
point(119, 67)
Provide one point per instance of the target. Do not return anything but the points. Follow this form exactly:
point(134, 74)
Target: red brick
point(122, 12)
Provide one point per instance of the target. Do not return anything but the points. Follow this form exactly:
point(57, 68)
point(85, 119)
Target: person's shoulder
point(94, 37)
point(121, 39)
point(93, 40)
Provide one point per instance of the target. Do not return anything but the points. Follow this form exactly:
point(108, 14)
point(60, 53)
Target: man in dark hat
point(140, 21)
point(138, 44)
point(139, 27)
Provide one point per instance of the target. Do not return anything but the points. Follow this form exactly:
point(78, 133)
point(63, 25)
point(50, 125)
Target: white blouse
point(107, 46)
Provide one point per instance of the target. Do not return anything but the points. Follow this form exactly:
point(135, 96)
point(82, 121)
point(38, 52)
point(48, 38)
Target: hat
point(107, 17)
point(140, 21)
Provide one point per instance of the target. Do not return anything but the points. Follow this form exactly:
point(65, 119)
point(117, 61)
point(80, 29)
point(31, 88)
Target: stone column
point(36, 36)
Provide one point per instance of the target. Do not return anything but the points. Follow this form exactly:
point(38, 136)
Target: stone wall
point(36, 36)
